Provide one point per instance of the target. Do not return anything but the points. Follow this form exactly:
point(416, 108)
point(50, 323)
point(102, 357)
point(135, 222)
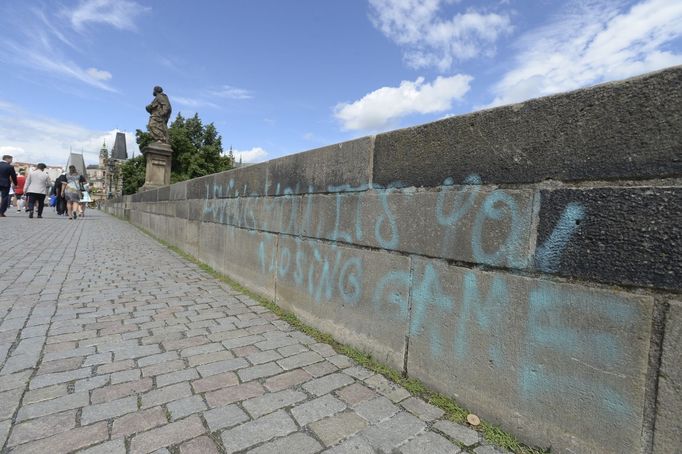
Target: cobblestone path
point(110, 343)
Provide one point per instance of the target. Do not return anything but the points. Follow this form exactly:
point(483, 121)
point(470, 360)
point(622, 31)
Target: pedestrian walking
point(8, 177)
point(36, 188)
point(72, 191)
point(86, 198)
point(19, 190)
point(59, 192)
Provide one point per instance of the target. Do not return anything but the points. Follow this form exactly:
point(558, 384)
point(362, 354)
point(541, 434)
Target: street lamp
point(111, 167)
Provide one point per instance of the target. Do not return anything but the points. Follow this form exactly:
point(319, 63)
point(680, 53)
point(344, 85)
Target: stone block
point(668, 429)
point(138, 422)
point(163, 194)
point(470, 223)
point(263, 429)
point(359, 296)
point(298, 442)
point(200, 188)
point(167, 435)
point(242, 182)
point(324, 169)
point(317, 409)
point(629, 129)
point(178, 191)
point(336, 428)
point(269, 402)
point(555, 363)
point(222, 417)
point(626, 236)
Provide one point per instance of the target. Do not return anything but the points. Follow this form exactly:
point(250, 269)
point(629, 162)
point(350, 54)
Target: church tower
point(103, 156)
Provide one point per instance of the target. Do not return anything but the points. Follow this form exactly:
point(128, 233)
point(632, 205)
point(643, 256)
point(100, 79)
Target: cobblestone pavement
point(110, 343)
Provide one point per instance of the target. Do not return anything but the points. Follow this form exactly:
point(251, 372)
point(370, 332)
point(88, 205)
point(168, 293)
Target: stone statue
point(160, 112)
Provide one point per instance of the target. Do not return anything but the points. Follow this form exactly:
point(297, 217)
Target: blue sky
point(279, 77)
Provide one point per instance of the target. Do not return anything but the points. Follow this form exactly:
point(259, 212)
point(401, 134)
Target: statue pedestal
point(158, 166)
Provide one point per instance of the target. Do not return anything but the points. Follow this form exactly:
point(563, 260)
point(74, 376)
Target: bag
point(53, 200)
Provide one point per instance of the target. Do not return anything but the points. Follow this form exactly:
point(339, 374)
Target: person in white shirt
point(36, 186)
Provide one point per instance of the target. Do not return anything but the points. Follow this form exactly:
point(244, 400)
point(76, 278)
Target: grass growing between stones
point(452, 409)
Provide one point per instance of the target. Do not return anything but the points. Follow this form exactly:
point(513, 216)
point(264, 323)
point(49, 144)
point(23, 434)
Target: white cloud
point(379, 108)
point(119, 14)
point(591, 44)
point(430, 40)
point(98, 74)
point(38, 139)
point(229, 92)
point(193, 102)
point(255, 154)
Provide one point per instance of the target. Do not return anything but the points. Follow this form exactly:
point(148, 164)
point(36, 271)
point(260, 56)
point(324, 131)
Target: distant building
point(105, 178)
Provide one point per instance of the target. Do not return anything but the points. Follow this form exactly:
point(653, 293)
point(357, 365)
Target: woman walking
point(72, 192)
point(36, 186)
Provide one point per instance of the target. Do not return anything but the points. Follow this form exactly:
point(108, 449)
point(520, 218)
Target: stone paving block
point(4, 430)
point(320, 369)
point(223, 417)
point(421, 409)
point(201, 349)
point(139, 421)
point(10, 401)
point(109, 447)
point(222, 366)
point(167, 435)
point(429, 443)
point(116, 366)
point(166, 394)
point(17, 380)
point(300, 360)
point(394, 431)
point(91, 383)
point(457, 432)
point(163, 368)
point(290, 350)
point(98, 358)
point(176, 377)
point(113, 392)
point(185, 407)
point(269, 402)
point(386, 387)
point(71, 440)
point(60, 365)
point(38, 428)
point(125, 376)
point(57, 405)
point(323, 349)
point(340, 361)
point(376, 410)
point(326, 384)
point(354, 445)
point(214, 382)
point(298, 443)
point(242, 341)
point(336, 428)
point(98, 412)
point(287, 380)
point(263, 370)
point(355, 393)
point(47, 393)
point(263, 357)
point(200, 445)
point(233, 394)
point(317, 409)
point(263, 429)
point(157, 359)
point(206, 358)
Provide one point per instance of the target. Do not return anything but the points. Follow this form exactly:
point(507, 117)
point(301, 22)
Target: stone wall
point(526, 260)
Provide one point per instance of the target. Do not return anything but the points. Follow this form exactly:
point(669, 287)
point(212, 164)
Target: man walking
point(8, 177)
point(35, 188)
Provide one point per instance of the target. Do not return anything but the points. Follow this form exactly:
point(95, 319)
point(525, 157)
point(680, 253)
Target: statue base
point(158, 165)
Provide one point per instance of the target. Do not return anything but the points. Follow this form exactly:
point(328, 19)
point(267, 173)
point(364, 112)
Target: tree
point(197, 151)
point(133, 174)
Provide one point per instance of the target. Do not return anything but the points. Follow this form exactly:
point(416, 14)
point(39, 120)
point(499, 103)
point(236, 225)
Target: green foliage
point(133, 173)
point(197, 151)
